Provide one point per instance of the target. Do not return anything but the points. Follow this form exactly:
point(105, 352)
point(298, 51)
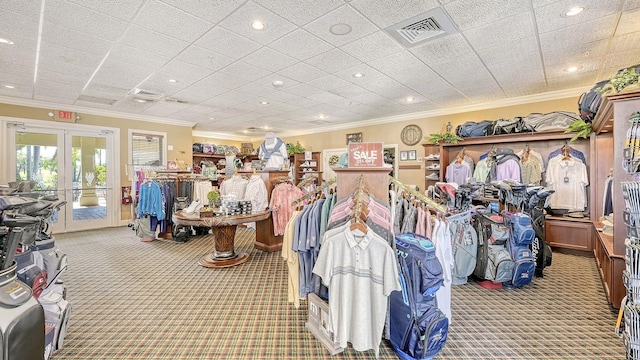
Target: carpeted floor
point(134, 300)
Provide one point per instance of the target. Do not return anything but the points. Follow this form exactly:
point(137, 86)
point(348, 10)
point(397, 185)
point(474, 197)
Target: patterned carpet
point(134, 300)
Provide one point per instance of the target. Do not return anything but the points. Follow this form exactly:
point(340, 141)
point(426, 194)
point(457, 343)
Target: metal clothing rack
point(315, 191)
point(434, 205)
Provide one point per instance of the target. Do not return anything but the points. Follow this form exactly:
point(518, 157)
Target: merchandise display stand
point(224, 231)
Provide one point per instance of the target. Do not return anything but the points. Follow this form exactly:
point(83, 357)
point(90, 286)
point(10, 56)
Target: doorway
point(73, 162)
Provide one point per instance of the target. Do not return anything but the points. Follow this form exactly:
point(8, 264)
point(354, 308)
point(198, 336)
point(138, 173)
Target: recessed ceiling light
point(277, 83)
point(140, 100)
point(6, 41)
point(172, 80)
point(358, 75)
point(210, 118)
point(322, 116)
point(409, 99)
point(245, 131)
point(265, 127)
point(340, 29)
point(574, 11)
point(10, 86)
point(572, 69)
point(264, 102)
point(257, 25)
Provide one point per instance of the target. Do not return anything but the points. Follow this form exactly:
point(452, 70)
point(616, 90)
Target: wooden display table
point(224, 233)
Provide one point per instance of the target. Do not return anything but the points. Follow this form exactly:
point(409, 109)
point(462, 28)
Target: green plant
point(620, 81)
point(213, 196)
point(295, 148)
point(581, 128)
point(447, 137)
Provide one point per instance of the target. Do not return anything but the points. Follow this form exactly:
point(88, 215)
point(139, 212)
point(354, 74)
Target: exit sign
point(66, 116)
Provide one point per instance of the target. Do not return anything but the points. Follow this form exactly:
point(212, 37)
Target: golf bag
point(49, 258)
point(520, 238)
point(540, 249)
point(464, 240)
point(57, 312)
point(493, 260)
point(418, 328)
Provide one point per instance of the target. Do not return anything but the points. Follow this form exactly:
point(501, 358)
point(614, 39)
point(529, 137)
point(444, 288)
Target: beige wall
point(390, 133)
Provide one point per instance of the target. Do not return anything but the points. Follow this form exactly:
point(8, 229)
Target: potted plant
point(214, 198)
point(446, 137)
point(581, 128)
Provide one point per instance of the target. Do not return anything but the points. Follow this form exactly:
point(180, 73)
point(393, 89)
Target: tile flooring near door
point(134, 300)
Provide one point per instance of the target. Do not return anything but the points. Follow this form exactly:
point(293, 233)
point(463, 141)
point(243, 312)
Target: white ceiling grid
point(95, 52)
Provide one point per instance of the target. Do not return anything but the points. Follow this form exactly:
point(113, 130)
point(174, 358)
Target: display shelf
point(305, 167)
point(430, 151)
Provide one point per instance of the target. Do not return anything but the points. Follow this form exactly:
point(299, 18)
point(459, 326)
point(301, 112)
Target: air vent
point(430, 25)
point(174, 100)
point(93, 99)
point(146, 95)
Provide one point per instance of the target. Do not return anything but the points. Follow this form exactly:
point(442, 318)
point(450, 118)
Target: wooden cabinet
point(575, 234)
point(432, 164)
point(611, 125)
point(307, 167)
point(215, 158)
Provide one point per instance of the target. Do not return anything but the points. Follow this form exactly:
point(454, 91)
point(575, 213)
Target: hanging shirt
point(568, 177)
point(509, 169)
point(236, 185)
point(481, 173)
point(458, 173)
point(531, 171)
point(291, 258)
point(150, 201)
point(256, 192)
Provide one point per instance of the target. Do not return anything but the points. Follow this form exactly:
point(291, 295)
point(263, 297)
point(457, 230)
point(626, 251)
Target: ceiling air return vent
point(146, 95)
point(98, 100)
point(419, 29)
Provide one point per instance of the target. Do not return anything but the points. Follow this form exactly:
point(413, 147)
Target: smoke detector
point(421, 28)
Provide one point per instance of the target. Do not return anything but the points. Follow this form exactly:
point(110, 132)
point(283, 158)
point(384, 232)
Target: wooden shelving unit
point(308, 167)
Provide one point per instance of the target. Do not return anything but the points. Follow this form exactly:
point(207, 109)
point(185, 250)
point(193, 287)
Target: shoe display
point(433, 176)
point(193, 207)
point(435, 166)
point(432, 157)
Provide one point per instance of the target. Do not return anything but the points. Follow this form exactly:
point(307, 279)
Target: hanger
point(460, 157)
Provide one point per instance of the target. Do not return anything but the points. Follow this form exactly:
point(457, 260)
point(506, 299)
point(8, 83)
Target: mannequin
point(273, 151)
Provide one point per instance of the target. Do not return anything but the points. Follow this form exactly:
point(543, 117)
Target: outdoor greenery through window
point(147, 149)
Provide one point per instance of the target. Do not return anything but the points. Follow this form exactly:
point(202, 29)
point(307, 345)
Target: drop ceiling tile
point(128, 105)
point(227, 43)
point(372, 47)
point(204, 58)
point(14, 25)
point(394, 92)
point(157, 85)
point(257, 90)
point(300, 12)
point(121, 74)
point(56, 77)
point(219, 102)
point(622, 59)
point(349, 91)
point(210, 10)
point(84, 20)
point(624, 42)
point(303, 89)
point(269, 59)
point(302, 72)
point(222, 80)
point(168, 20)
point(360, 26)
point(577, 34)
point(329, 98)
point(442, 49)
point(368, 72)
point(137, 57)
point(28, 8)
point(55, 89)
point(468, 14)
point(551, 17)
point(243, 70)
point(240, 22)
point(395, 63)
point(164, 108)
point(462, 69)
point(385, 13)
point(112, 8)
point(539, 3)
point(333, 61)
point(9, 77)
point(513, 28)
point(55, 65)
point(306, 102)
point(631, 4)
point(238, 97)
point(152, 41)
point(22, 52)
point(105, 91)
point(522, 50)
point(370, 98)
point(269, 79)
point(49, 51)
point(416, 76)
point(184, 73)
point(328, 82)
point(301, 45)
point(91, 104)
point(53, 99)
point(24, 92)
point(60, 35)
point(629, 22)
point(376, 81)
point(588, 65)
point(575, 55)
point(286, 97)
point(199, 92)
point(570, 81)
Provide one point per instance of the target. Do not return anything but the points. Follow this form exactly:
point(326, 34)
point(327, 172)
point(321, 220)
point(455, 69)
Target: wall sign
point(363, 155)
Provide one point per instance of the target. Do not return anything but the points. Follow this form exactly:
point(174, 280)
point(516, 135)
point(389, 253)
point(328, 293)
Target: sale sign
point(366, 154)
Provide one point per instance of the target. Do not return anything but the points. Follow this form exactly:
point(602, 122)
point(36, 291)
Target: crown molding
point(547, 96)
point(99, 112)
point(221, 136)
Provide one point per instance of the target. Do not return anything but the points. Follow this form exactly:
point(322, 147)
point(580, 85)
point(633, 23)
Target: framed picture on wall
point(404, 155)
point(412, 154)
point(354, 138)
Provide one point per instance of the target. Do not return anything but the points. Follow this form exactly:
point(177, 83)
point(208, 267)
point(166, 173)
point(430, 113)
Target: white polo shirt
point(360, 272)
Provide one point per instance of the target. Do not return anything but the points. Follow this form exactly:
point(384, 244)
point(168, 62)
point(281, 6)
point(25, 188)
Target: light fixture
point(257, 25)
point(264, 102)
point(78, 118)
point(172, 80)
point(50, 114)
point(321, 116)
point(572, 69)
point(10, 86)
point(574, 11)
point(277, 83)
point(210, 118)
point(6, 41)
point(340, 29)
point(358, 75)
point(409, 99)
point(140, 100)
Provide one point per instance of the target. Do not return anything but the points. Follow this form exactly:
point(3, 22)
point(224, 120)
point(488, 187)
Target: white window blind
point(147, 149)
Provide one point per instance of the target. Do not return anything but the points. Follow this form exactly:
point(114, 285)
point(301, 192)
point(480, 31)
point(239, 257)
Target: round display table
point(224, 233)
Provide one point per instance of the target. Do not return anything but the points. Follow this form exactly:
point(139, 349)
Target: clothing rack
point(306, 181)
point(358, 208)
point(315, 191)
point(419, 196)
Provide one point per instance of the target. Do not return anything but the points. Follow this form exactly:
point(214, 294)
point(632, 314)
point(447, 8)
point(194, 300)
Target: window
point(147, 148)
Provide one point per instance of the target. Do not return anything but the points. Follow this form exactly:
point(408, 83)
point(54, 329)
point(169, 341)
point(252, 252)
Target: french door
point(75, 164)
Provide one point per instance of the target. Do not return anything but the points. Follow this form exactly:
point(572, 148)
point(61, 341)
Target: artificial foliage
point(621, 80)
point(446, 137)
point(581, 128)
point(295, 148)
